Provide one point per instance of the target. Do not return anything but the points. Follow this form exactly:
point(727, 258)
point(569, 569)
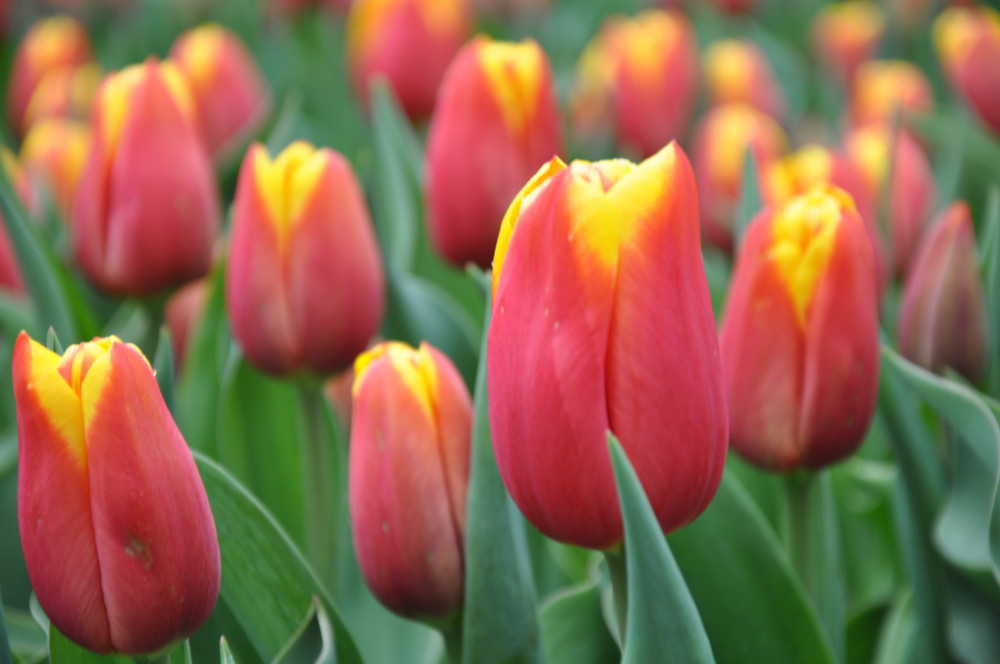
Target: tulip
point(67, 92)
point(304, 281)
point(799, 339)
point(228, 89)
point(410, 42)
point(639, 75)
point(911, 191)
point(117, 532)
point(10, 268)
point(739, 72)
point(51, 44)
point(883, 86)
point(496, 123)
point(942, 320)
point(408, 478)
point(182, 315)
point(141, 225)
point(54, 152)
point(967, 40)
point(720, 146)
point(846, 34)
point(813, 165)
point(602, 322)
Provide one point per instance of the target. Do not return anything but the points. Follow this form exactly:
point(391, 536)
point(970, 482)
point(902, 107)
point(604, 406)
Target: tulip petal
point(54, 498)
point(153, 527)
point(667, 406)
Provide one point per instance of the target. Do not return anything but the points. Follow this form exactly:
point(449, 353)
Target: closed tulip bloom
point(846, 34)
point(942, 320)
point(10, 268)
point(67, 92)
point(883, 86)
point(408, 478)
point(641, 76)
point(967, 40)
point(720, 147)
point(912, 189)
point(182, 315)
point(800, 335)
point(739, 72)
point(497, 121)
point(53, 153)
point(229, 92)
point(51, 44)
point(118, 536)
point(142, 225)
point(304, 280)
point(602, 322)
point(410, 42)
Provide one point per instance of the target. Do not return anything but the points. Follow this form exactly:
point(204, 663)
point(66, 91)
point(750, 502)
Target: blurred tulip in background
point(883, 87)
point(967, 40)
point(739, 71)
point(67, 92)
point(846, 34)
point(118, 536)
point(408, 478)
point(601, 317)
point(497, 121)
point(142, 225)
point(304, 279)
point(54, 153)
point(799, 338)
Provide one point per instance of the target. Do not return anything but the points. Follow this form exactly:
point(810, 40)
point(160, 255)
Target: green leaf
point(258, 441)
point(225, 655)
point(8, 454)
point(64, 651)
point(750, 201)
point(500, 623)
point(16, 315)
point(731, 558)
point(5, 651)
point(573, 628)
point(944, 128)
point(265, 580)
point(397, 198)
point(28, 641)
point(898, 643)
point(163, 365)
point(663, 622)
point(990, 246)
point(967, 532)
point(973, 636)
point(52, 307)
point(53, 343)
point(862, 635)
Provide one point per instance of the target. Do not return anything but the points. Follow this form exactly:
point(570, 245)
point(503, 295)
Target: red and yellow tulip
point(408, 478)
point(142, 225)
point(737, 71)
point(967, 40)
point(602, 322)
point(67, 92)
point(846, 34)
point(304, 280)
point(799, 339)
point(118, 536)
point(497, 121)
point(54, 152)
point(883, 87)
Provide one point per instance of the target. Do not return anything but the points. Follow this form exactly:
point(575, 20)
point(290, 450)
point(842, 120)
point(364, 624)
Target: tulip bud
point(497, 121)
point(64, 93)
point(911, 192)
point(141, 225)
point(846, 34)
point(600, 298)
point(642, 74)
point(53, 153)
point(117, 532)
point(51, 44)
point(739, 72)
point(304, 281)
point(814, 165)
point(942, 320)
point(410, 42)
point(799, 339)
point(182, 314)
point(882, 86)
point(967, 40)
point(720, 146)
point(228, 90)
point(408, 478)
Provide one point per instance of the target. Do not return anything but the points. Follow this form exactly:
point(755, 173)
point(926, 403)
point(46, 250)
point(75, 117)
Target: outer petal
point(762, 357)
point(406, 540)
point(152, 522)
point(664, 378)
point(335, 283)
point(840, 371)
point(546, 354)
point(54, 498)
point(256, 284)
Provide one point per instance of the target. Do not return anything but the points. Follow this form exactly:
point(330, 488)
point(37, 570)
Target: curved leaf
point(663, 622)
point(573, 628)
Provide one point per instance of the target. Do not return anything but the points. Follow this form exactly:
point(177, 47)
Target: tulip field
point(500, 331)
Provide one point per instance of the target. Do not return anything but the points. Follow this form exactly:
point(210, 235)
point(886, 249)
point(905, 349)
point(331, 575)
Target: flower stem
point(618, 572)
point(452, 634)
point(317, 483)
